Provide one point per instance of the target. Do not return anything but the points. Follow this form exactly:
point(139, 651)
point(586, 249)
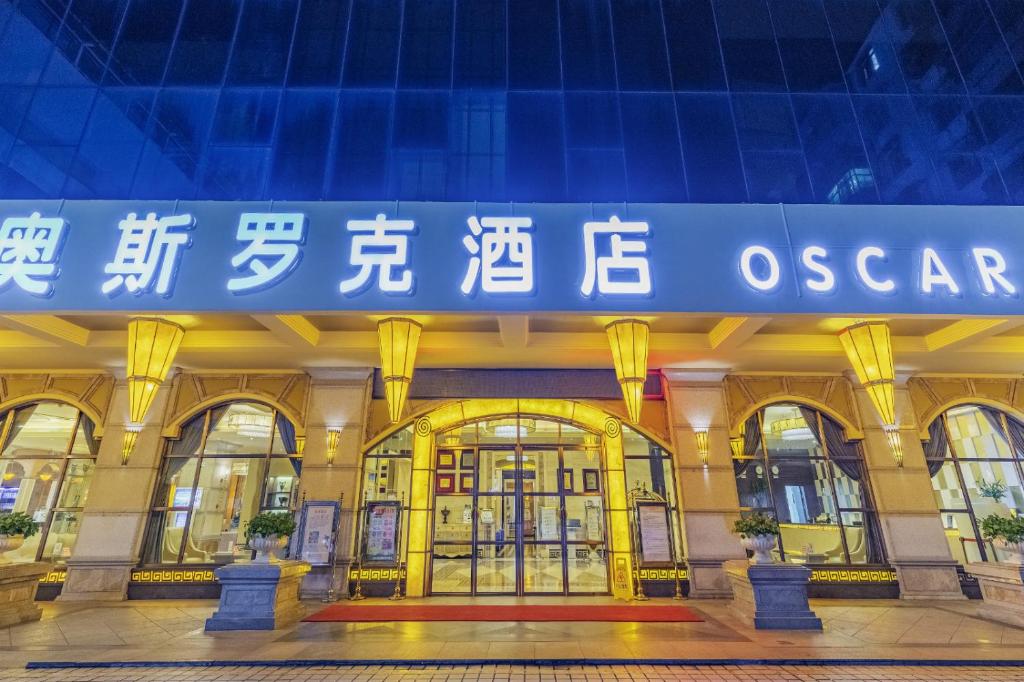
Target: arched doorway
point(519, 509)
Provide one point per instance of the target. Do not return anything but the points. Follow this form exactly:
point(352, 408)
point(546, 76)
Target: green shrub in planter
point(754, 525)
point(266, 524)
point(1010, 530)
point(17, 523)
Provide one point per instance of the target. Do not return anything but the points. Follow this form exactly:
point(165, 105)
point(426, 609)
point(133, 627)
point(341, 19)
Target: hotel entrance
point(519, 509)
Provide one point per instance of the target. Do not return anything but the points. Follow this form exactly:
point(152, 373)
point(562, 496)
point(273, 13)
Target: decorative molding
point(90, 393)
point(200, 575)
point(829, 575)
point(191, 393)
point(833, 395)
point(931, 396)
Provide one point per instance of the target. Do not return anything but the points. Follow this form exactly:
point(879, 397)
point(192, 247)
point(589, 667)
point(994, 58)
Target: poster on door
point(655, 534)
point(382, 532)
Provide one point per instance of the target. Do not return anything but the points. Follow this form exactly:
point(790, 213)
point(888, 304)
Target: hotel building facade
point(497, 278)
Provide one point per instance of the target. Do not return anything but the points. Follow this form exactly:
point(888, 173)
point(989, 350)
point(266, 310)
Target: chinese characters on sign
point(500, 254)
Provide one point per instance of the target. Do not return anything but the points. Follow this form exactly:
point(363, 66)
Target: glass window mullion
point(832, 487)
point(963, 489)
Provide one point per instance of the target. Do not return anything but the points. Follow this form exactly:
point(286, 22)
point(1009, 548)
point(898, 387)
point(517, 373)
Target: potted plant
point(1007, 534)
point(758, 533)
point(14, 528)
point(268, 533)
point(994, 490)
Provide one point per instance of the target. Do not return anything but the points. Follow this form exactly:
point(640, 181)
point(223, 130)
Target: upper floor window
point(797, 465)
point(230, 463)
point(46, 466)
point(974, 458)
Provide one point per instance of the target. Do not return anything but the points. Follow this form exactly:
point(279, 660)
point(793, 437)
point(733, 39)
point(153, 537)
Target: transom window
point(230, 463)
point(797, 466)
point(974, 458)
point(48, 459)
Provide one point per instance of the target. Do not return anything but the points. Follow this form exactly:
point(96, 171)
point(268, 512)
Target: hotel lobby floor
point(173, 631)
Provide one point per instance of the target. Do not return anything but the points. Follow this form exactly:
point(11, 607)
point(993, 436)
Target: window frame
point(65, 459)
point(867, 510)
point(952, 457)
point(200, 456)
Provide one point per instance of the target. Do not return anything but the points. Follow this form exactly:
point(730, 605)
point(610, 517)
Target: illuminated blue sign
point(80, 256)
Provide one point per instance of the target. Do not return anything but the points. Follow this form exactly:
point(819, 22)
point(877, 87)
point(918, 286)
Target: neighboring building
point(288, 182)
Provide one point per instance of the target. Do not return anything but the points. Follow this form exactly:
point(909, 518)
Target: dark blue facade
point(803, 101)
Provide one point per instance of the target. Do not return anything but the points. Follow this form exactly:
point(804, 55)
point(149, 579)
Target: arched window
point(48, 459)
point(230, 463)
point(797, 466)
point(974, 457)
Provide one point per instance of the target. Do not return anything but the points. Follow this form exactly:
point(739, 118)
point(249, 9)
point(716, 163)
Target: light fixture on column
point(131, 434)
point(300, 446)
point(152, 345)
point(398, 337)
point(702, 445)
point(628, 339)
point(892, 433)
point(333, 438)
point(868, 346)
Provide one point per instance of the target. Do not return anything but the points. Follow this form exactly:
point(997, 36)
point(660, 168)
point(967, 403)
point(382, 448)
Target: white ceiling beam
point(295, 330)
point(732, 332)
point(967, 332)
point(49, 328)
point(514, 330)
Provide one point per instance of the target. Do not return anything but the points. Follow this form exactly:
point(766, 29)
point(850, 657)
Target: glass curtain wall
point(48, 459)
point(230, 463)
point(974, 458)
point(797, 466)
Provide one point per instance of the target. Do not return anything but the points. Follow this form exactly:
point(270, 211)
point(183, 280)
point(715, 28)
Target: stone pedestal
point(18, 585)
point(256, 596)
point(774, 595)
point(1002, 588)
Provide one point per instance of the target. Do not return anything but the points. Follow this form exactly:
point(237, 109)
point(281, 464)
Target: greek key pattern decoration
point(54, 578)
point(828, 575)
point(202, 575)
point(372, 574)
point(663, 574)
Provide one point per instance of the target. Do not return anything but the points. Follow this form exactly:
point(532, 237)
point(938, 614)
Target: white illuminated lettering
point(609, 273)
point(828, 280)
point(382, 245)
point(934, 273)
point(761, 284)
point(882, 286)
point(147, 254)
point(271, 249)
point(991, 266)
point(30, 249)
point(501, 251)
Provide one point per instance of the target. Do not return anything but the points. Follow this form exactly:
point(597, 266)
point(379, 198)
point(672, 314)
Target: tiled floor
point(173, 631)
point(532, 673)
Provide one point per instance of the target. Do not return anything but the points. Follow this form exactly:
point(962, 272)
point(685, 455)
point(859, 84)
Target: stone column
point(911, 527)
point(708, 501)
point(115, 513)
point(339, 398)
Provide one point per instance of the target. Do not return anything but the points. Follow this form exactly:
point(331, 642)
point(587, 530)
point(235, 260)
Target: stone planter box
point(18, 585)
point(258, 596)
point(773, 595)
point(1002, 588)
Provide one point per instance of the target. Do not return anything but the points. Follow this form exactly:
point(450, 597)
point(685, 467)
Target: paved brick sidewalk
point(532, 673)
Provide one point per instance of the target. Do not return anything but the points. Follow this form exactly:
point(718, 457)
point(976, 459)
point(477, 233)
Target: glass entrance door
point(519, 519)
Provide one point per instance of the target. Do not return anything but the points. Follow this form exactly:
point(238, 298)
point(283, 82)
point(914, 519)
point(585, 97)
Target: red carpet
point(352, 613)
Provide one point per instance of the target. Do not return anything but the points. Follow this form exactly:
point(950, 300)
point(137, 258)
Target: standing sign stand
point(379, 541)
point(653, 539)
point(319, 524)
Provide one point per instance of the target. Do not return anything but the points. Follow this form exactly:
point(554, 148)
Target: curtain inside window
point(936, 449)
point(1016, 436)
point(843, 453)
point(89, 429)
point(191, 438)
point(19, 423)
point(287, 433)
point(752, 436)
